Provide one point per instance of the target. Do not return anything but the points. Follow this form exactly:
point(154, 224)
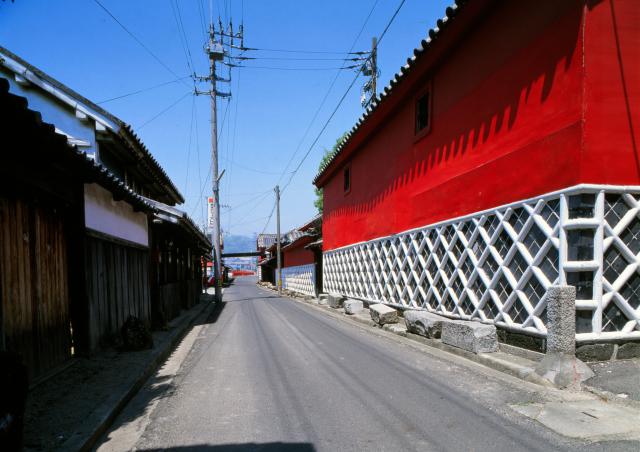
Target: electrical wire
point(269, 218)
point(305, 51)
point(165, 110)
point(326, 95)
point(243, 58)
point(340, 102)
point(135, 38)
point(175, 9)
point(143, 90)
point(276, 68)
point(186, 182)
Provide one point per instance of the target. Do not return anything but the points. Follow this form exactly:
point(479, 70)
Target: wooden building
point(44, 309)
point(178, 250)
point(505, 160)
point(101, 208)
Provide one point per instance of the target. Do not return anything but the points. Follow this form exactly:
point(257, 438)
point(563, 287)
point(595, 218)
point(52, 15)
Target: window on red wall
point(346, 177)
point(423, 112)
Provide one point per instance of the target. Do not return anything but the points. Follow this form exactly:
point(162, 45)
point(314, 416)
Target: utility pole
point(279, 258)
point(370, 69)
point(215, 51)
point(374, 67)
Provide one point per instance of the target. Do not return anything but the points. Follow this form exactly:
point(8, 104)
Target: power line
point(253, 170)
point(277, 68)
point(186, 182)
point(135, 38)
point(177, 16)
point(165, 110)
point(326, 95)
point(305, 51)
point(340, 102)
point(142, 90)
point(244, 58)
point(203, 21)
point(269, 218)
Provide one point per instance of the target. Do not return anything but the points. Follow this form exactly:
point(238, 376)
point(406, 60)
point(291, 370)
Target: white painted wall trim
point(115, 218)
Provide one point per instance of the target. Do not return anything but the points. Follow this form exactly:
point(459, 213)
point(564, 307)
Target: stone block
point(629, 350)
point(595, 352)
point(335, 301)
point(383, 314)
point(561, 319)
point(323, 299)
point(396, 328)
point(353, 306)
point(471, 336)
point(424, 323)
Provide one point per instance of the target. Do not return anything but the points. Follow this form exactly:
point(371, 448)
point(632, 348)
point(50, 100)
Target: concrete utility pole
point(374, 67)
point(213, 56)
point(279, 259)
point(215, 52)
point(370, 69)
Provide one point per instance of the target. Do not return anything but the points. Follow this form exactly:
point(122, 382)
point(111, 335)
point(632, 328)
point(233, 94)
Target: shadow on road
point(254, 447)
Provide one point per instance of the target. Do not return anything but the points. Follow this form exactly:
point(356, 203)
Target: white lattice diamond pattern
point(494, 267)
point(299, 279)
point(620, 308)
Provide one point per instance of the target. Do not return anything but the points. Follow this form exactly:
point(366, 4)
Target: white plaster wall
point(115, 218)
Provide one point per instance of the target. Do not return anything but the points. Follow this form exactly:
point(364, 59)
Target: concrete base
point(585, 419)
point(323, 299)
point(470, 336)
point(383, 314)
point(335, 301)
point(424, 323)
point(353, 306)
point(563, 370)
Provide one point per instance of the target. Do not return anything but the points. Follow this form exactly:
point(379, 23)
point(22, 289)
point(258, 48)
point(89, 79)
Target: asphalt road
point(271, 374)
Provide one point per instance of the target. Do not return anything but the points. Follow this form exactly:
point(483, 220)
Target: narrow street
point(272, 374)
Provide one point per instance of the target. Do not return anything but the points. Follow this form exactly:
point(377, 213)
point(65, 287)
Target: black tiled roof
point(126, 131)
point(16, 107)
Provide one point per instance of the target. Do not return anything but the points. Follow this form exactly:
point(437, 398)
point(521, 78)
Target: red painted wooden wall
point(297, 254)
point(528, 97)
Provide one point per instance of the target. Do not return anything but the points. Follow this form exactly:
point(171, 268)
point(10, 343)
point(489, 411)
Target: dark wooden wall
point(176, 274)
point(117, 284)
point(34, 284)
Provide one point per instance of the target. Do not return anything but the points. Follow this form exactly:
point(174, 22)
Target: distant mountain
point(239, 243)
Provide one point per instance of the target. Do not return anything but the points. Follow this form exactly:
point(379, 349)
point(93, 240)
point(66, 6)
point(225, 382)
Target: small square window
point(347, 179)
point(423, 114)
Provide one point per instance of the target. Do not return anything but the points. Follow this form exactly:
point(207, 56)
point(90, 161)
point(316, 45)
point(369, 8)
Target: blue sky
point(76, 42)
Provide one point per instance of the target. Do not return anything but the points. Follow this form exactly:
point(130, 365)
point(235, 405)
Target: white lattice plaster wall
point(299, 279)
point(495, 266)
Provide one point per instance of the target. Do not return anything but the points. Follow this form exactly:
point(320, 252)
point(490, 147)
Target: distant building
point(501, 159)
point(301, 263)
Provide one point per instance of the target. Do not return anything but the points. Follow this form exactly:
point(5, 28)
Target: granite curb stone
point(424, 323)
point(471, 336)
point(383, 314)
point(352, 306)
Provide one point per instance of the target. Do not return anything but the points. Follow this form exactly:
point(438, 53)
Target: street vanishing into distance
point(268, 373)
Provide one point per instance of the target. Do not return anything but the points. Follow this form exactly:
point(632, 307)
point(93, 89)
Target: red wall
point(507, 111)
point(612, 93)
point(297, 254)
